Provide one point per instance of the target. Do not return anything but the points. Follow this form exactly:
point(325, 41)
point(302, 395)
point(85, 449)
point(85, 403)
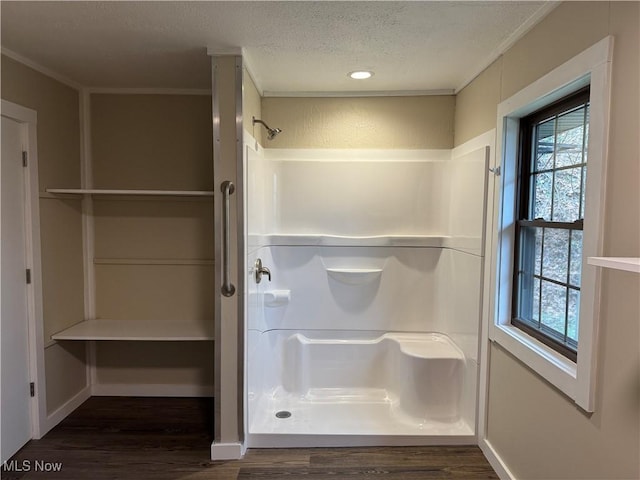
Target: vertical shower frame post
point(229, 251)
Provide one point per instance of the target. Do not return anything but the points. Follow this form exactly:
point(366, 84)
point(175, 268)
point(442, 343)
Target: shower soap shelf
point(354, 276)
point(277, 298)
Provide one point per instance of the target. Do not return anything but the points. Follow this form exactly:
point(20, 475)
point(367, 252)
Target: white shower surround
point(364, 246)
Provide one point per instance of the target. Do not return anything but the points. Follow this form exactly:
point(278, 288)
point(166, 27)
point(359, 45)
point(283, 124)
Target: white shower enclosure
point(367, 331)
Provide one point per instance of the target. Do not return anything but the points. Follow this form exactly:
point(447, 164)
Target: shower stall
point(363, 287)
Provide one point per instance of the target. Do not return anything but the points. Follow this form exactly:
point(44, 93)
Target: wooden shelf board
point(137, 330)
point(175, 193)
point(629, 264)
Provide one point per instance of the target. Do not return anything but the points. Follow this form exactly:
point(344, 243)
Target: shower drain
point(283, 414)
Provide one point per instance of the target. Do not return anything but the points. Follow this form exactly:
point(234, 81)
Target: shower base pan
point(390, 389)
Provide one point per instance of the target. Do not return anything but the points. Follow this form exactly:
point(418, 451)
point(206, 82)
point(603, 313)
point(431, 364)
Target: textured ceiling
point(305, 46)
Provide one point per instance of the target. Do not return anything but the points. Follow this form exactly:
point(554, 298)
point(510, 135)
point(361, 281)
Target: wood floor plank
point(385, 473)
point(277, 457)
point(414, 456)
point(116, 438)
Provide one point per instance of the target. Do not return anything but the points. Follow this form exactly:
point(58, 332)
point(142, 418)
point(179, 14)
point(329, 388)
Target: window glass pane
point(544, 145)
point(555, 261)
point(586, 134)
point(544, 161)
point(584, 188)
point(575, 267)
point(574, 310)
point(569, 139)
point(541, 187)
point(525, 288)
point(554, 298)
point(535, 314)
point(566, 196)
point(526, 271)
point(538, 250)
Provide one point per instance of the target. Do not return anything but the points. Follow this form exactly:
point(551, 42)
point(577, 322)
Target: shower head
point(271, 132)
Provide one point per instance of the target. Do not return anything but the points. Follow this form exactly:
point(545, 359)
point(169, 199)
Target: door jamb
point(28, 118)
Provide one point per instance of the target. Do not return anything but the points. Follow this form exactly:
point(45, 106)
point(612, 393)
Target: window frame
point(525, 173)
point(577, 380)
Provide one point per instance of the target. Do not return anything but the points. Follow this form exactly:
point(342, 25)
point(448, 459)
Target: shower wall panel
point(360, 198)
point(260, 179)
point(466, 182)
point(347, 192)
point(351, 288)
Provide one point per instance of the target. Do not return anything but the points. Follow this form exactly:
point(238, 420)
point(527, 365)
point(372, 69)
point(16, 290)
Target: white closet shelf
point(96, 191)
point(137, 330)
point(629, 264)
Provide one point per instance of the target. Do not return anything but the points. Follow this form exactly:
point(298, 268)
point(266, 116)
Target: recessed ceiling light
point(361, 75)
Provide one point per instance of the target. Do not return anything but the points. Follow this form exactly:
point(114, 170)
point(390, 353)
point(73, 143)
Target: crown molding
point(520, 32)
point(148, 91)
point(41, 69)
point(372, 93)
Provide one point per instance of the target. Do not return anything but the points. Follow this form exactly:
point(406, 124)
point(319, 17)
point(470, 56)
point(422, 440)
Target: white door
point(15, 397)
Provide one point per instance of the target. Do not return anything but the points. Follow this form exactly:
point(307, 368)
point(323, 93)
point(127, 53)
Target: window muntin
point(551, 197)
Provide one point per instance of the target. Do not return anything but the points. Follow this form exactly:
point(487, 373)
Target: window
point(544, 299)
point(550, 209)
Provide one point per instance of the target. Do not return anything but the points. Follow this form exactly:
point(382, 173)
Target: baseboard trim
point(150, 390)
point(227, 451)
point(63, 411)
point(495, 460)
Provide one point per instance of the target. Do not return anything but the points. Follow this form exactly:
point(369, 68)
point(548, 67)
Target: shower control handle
point(260, 270)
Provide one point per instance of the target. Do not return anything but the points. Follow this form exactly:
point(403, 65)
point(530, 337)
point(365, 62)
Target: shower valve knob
point(260, 270)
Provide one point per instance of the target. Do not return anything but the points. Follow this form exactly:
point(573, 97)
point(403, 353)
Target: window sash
point(522, 271)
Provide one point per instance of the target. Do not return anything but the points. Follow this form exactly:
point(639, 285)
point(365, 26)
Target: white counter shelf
point(628, 264)
point(97, 191)
point(137, 330)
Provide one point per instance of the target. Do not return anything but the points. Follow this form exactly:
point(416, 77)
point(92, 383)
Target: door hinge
point(24, 159)
point(32, 389)
point(28, 276)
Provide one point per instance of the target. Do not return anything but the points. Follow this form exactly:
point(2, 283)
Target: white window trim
point(592, 66)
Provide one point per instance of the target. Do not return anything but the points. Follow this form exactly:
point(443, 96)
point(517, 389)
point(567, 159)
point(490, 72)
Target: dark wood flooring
point(170, 439)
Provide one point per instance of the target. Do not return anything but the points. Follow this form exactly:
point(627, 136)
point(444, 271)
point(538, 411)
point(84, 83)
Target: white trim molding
point(227, 451)
point(147, 91)
point(361, 93)
point(41, 69)
point(495, 460)
point(486, 139)
point(65, 410)
point(591, 67)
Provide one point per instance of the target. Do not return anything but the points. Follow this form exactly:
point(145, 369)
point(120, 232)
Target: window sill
point(546, 362)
